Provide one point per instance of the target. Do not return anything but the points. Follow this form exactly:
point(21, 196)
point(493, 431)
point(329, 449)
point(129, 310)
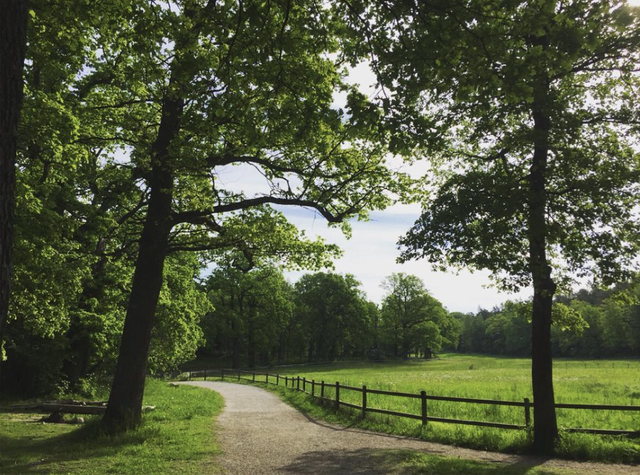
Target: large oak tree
point(528, 114)
point(194, 88)
point(412, 317)
point(13, 43)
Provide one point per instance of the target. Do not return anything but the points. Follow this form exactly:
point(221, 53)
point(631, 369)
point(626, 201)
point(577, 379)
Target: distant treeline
point(67, 338)
point(261, 319)
point(590, 323)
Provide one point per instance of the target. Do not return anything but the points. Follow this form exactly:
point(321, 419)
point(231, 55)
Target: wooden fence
point(317, 390)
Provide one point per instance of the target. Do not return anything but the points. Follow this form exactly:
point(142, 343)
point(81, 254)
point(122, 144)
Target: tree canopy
point(528, 114)
point(414, 321)
point(197, 86)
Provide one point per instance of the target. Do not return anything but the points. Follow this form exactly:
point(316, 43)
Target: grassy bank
point(612, 382)
point(177, 437)
point(582, 382)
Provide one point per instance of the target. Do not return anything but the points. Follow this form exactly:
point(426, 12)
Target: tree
point(69, 270)
point(529, 115)
point(182, 304)
point(413, 318)
point(13, 43)
point(333, 316)
point(252, 311)
point(621, 321)
point(199, 86)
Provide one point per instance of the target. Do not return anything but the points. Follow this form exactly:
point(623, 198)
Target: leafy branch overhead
point(210, 86)
point(528, 114)
point(462, 79)
point(236, 84)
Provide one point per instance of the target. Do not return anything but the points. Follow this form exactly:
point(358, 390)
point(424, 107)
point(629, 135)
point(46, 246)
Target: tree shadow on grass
point(29, 453)
point(404, 462)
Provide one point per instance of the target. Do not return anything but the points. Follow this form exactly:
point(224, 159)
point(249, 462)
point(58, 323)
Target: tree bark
point(545, 430)
point(124, 410)
point(13, 45)
point(235, 346)
point(251, 344)
point(310, 352)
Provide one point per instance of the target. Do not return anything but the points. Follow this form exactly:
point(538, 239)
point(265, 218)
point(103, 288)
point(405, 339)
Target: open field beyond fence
point(473, 398)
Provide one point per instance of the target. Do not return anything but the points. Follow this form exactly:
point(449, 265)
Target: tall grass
point(614, 382)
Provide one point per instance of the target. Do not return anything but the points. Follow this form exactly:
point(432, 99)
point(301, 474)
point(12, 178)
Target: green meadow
point(177, 437)
point(613, 382)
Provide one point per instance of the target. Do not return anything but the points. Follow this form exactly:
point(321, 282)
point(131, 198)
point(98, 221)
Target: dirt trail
point(260, 434)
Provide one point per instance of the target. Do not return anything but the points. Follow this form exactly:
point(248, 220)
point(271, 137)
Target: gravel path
point(260, 434)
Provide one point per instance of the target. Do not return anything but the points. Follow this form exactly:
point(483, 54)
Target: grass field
point(177, 437)
point(614, 382)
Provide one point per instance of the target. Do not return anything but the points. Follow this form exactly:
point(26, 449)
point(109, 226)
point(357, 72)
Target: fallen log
point(72, 408)
point(51, 407)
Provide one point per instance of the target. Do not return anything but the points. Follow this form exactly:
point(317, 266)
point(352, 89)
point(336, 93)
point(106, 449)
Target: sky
point(371, 253)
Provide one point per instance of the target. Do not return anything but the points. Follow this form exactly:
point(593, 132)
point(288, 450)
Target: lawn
point(177, 437)
point(614, 382)
point(509, 379)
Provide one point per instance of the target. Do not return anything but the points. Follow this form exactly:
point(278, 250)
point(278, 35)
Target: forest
point(590, 324)
point(123, 252)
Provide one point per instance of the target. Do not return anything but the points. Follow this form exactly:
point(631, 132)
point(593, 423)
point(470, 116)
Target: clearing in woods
point(258, 433)
point(613, 382)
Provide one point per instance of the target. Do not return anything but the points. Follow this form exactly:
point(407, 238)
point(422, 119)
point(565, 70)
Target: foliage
point(589, 323)
point(176, 334)
point(468, 106)
point(331, 313)
point(260, 318)
point(475, 376)
point(413, 320)
point(251, 316)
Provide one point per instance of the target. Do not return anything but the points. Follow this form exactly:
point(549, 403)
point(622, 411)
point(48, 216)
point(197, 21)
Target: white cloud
point(370, 255)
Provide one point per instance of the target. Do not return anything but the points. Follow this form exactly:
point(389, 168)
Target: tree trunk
point(124, 410)
point(13, 44)
point(235, 341)
point(545, 430)
point(406, 344)
point(251, 347)
point(235, 345)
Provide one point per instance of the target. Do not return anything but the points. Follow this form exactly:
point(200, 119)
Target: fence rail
point(317, 390)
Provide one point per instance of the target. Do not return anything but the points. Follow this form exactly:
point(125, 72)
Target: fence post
point(423, 396)
point(253, 377)
point(205, 374)
point(313, 388)
point(298, 383)
point(222, 374)
point(337, 395)
point(322, 393)
point(527, 412)
point(277, 380)
point(286, 382)
point(267, 379)
point(304, 385)
point(364, 401)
